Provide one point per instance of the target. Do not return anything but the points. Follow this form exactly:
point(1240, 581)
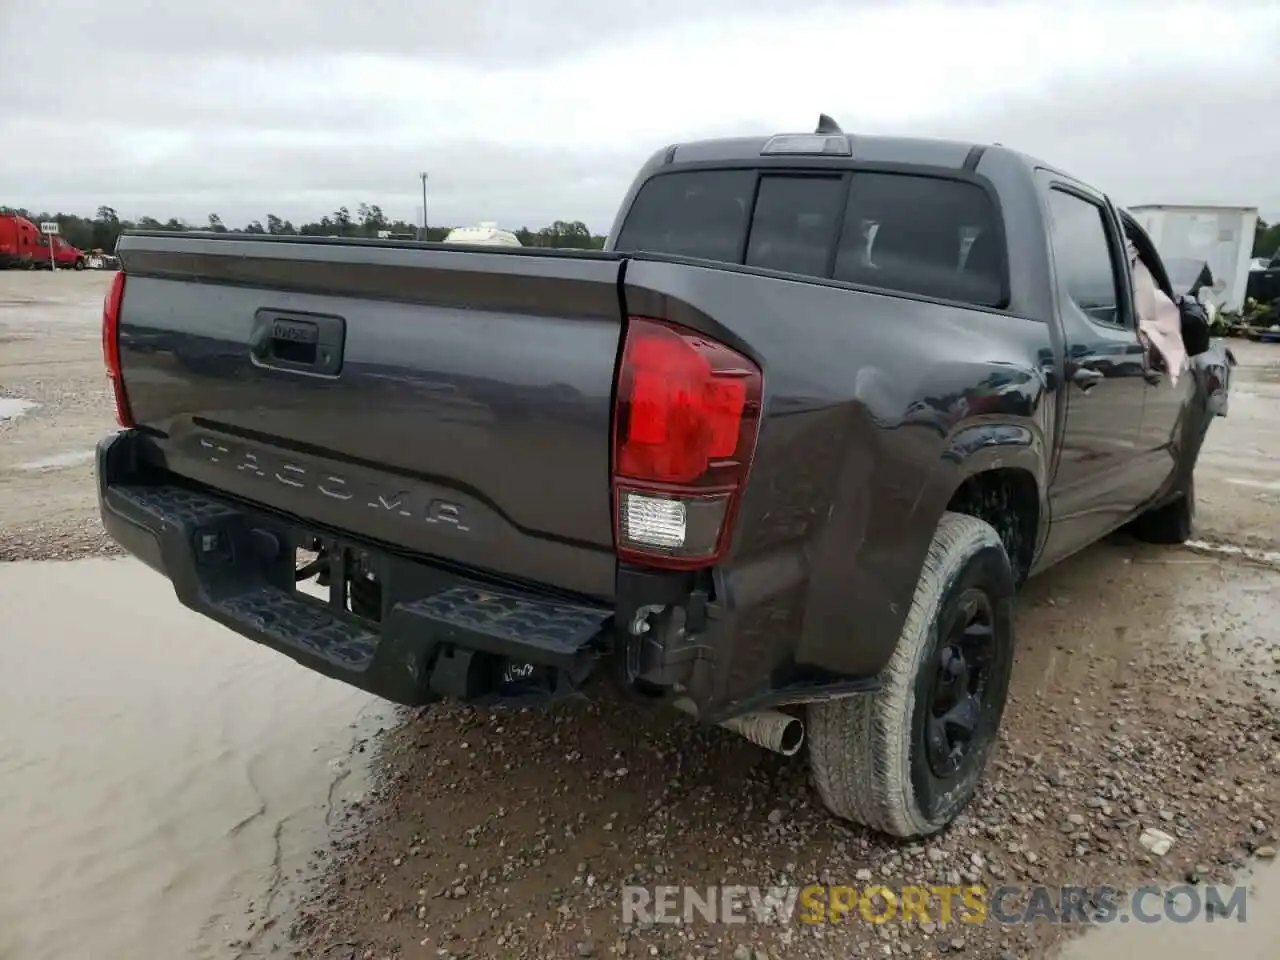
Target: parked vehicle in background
point(486, 232)
point(65, 256)
point(1221, 237)
point(19, 243)
point(778, 457)
point(1264, 282)
point(97, 259)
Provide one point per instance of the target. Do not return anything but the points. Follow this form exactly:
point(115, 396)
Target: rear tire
point(907, 759)
point(1171, 524)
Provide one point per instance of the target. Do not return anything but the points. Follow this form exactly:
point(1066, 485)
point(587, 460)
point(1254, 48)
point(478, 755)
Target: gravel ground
point(507, 835)
point(1144, 695)
point(51, 355)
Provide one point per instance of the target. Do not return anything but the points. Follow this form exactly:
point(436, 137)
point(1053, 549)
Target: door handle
point(1086, 378)
point(305, 343)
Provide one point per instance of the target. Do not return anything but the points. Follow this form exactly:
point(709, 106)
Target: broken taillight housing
point(111, 348)
point(685, 424)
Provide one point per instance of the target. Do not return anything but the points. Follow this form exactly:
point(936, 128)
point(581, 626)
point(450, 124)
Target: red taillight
point(111, 347)
point(685, 423)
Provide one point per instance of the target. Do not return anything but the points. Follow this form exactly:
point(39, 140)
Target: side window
point(795, 223)
point(1083, 257)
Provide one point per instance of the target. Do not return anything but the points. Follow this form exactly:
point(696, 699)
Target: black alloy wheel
point(961, 681)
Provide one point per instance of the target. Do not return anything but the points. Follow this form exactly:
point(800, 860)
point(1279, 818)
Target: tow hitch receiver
point(503, 650)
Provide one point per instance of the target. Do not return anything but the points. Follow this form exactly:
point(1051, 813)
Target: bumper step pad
point(462, 639)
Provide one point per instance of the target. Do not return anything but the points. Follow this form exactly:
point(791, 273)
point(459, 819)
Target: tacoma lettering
point(436, 511)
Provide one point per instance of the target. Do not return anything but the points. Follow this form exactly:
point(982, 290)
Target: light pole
point(423, 234)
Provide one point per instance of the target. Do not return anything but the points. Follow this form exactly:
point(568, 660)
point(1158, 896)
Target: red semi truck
point(22, 245)
point(19, 242)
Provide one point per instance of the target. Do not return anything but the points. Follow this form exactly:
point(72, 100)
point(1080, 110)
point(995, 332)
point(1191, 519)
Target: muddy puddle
point(164, 781)
point(11, 409)
point(72, 458)
point(1215, 601)
point(1251, 934)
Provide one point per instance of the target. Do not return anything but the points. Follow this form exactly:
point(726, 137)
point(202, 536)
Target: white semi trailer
point(1189, 236)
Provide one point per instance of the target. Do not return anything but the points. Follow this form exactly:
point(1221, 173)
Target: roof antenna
point(827, 125)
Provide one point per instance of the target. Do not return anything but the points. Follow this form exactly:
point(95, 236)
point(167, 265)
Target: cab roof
point(842, 146)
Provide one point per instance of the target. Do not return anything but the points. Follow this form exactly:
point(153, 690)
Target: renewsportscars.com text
point(938, 904)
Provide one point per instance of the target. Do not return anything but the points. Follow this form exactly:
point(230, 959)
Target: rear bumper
point(438, 633)
point(443, 633)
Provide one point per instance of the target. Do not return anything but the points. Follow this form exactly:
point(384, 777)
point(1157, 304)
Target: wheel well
point(1009, 500)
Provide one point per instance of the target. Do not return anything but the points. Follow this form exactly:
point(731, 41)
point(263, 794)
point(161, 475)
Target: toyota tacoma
point(778, 456)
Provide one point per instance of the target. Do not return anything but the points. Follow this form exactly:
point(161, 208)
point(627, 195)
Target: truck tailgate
point(454, 403)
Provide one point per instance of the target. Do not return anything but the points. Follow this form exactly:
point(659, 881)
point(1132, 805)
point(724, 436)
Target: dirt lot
point(51, 356)
point(1145, 696)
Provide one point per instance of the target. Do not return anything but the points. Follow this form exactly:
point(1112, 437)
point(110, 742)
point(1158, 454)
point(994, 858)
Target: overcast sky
point(526, 111)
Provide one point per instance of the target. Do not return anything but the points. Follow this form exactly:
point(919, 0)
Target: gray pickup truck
point(778, 457)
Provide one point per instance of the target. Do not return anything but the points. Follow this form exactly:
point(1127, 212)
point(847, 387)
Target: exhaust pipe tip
point(772, 729)
point(791, 738)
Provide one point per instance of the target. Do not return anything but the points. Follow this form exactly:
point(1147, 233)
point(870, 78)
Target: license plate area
point(468, 640)
point(341, 576)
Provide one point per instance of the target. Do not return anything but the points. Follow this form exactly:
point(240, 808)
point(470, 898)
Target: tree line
point(102, 231)
point(1266, 239)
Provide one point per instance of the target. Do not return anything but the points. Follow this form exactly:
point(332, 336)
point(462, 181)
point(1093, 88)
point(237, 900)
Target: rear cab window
point(695, 214)
point(794, 224)
point(901, 232)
